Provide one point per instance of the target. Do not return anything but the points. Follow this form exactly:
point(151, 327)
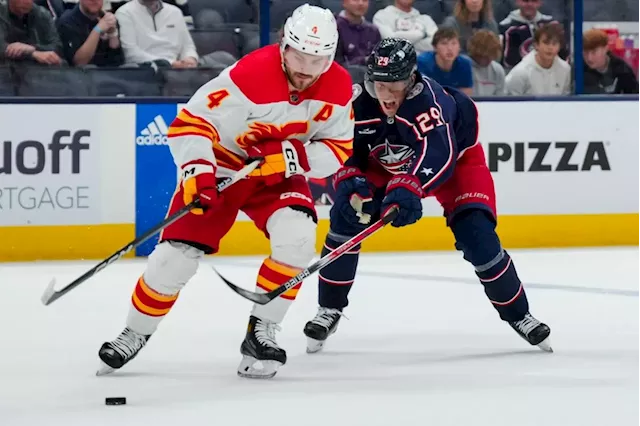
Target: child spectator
point(517, 31)
point(445, 65)
point(154, 31)
point(542, 72)
point(357, 35)
point(488, 75)
point(469, 16)
point(403, 21)
point(27, 33)
point(90, 36)
point(605, 73)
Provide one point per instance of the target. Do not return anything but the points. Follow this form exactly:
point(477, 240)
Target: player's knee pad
point(293, 237)
point(170, 266)
point(476, 237)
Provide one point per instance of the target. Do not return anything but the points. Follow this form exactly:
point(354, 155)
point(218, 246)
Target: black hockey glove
point(405, 192)
point(353, 196)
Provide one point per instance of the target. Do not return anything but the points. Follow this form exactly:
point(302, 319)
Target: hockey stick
point(264, 298)
point(50, 295)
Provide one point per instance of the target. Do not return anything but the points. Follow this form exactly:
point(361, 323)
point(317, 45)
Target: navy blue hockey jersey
point(432, 127)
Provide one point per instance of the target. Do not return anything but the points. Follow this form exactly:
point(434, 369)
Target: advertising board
point(84, 179)
point(50, 172)
point(550, 172)
point(66, 180)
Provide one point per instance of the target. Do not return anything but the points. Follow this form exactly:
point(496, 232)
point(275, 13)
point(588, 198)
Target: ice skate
point(323, 325)
point(533, 331)
point(261, 355)
point(120, 351)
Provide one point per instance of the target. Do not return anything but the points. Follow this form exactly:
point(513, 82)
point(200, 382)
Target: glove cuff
point(197, 167)
point(295, 157)
point(344, 173)
point(408, 182)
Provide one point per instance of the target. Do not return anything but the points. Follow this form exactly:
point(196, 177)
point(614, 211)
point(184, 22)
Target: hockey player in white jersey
point(288, 98)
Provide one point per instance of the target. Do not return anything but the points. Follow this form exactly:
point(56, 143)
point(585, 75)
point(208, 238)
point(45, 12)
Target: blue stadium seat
point(211, 41)
point(185, 82)
point(252, 40)
point(374, 6)
point(282, 9)
point(334, 6)
point(141, 81)
point(207, 19)
point(7, 85)
point(437, 9)
point(245, 11)
point(41, 81)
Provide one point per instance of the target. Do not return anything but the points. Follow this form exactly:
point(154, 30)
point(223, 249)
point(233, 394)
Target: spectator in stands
point(357, 35)
point(445, 64)
point(55, 7)
point(152, 31)
point(90, 36)
point(605, 73)
point(27, 33)
point(404, 21)
point(469, 16)
point(517, 31)
point(542, 72)
point(488, 75)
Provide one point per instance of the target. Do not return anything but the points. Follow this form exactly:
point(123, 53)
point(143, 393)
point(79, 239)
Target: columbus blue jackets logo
point(394, 158)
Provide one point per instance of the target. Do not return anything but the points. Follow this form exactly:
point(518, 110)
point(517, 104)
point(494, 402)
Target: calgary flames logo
point(265, 131)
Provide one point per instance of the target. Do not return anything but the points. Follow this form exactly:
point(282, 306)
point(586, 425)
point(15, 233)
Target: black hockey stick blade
point(259, 298)
point(264, 298)
point(50, 295)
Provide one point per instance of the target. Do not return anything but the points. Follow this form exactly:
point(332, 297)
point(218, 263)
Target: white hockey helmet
point(312, 30)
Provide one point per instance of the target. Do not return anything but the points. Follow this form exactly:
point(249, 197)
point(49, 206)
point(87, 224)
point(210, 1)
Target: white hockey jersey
point(251, 102)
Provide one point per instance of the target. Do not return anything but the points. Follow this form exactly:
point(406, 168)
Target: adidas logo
point(155, 133)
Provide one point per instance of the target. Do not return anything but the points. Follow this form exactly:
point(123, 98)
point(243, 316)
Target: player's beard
point(300, 81)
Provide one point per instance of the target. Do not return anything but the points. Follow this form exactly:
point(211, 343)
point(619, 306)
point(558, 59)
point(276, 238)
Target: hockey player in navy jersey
point(397, 111)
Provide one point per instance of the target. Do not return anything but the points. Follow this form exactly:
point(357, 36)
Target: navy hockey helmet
point(392, 59)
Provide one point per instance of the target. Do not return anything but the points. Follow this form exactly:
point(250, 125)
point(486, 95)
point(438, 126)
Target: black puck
point(116, 401)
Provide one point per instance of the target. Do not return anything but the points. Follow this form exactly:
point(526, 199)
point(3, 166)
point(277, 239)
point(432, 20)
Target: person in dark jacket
point(517, 31)
point(605, 73)
point(90, 36)
point(55, 7)
point(357, 35)
point(27, 33)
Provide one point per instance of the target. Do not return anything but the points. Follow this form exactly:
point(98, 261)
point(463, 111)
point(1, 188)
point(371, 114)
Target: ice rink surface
point(422, 346)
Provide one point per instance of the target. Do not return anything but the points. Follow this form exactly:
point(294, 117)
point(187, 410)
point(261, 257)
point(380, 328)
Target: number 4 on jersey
point(215, 98)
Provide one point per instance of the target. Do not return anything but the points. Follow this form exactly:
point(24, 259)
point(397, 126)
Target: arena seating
point(225, 30)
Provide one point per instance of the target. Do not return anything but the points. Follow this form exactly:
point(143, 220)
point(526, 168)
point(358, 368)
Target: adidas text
point(155, 133)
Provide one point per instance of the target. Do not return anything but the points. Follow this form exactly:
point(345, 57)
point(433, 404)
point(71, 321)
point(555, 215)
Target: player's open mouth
point(389, 105)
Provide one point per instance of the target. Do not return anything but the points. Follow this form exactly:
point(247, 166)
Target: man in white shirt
point(542, 72)
point(401, 20)
point(152, 31)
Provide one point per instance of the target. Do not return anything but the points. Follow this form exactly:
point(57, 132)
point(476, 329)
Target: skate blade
point(545, 345)
point(104, 369)
point(252, 368)
point(314, 346)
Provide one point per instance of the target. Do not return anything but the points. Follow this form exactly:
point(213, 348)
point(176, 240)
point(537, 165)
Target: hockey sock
point(335, 280)
point(272, 275)
point(503, 287)
point(148, 308)
point(476, 237)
